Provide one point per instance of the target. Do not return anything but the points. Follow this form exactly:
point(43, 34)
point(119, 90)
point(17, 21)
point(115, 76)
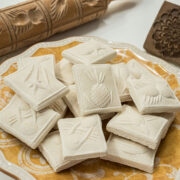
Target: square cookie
point(36, 83)
point(63, 71)
point(91, 52)
point(96, 89)
point(129, 153)
point(51, 148)
point(121, 74)
point(31, 127)
point(71, 100)
point(82, 138)
point(150, 93)
point(144, 129)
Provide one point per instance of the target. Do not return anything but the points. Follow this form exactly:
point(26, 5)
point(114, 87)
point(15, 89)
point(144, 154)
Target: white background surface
point(125, 21)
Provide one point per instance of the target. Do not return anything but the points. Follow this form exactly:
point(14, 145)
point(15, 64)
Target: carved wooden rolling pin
point(34, 20)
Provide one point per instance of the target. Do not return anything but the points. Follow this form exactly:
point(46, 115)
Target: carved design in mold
point(99, 95)
point(166, 33)
point(93, 3)
point(58, 9)
point(24, 21)
point(82, 132)
point(1, 30)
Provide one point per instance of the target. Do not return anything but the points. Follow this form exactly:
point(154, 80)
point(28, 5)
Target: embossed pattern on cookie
point(96, 89)
point(129, 153)
point(36, 83)
point(18, 119)
point(147, 130)
point(71, 100)
point(82, 137)
point(150, 93)
point(91, 52)
point(51, 148)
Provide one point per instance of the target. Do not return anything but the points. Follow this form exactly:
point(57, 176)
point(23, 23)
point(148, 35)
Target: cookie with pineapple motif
point(71, 100)
point(150, 93)
point(91, 52)
point(36, 83)
point(147, 130)
point(29, 126)
point(51, 149)
point(82, 138)
point(96, 89)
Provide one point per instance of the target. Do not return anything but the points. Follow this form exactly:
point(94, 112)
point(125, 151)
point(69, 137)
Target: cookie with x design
point(36, 83)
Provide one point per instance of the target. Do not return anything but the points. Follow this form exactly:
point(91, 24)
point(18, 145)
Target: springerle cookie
point(121, 74)
point(71, 100)
point(150, 93)
point(96, 89)
point(51, 148)
point(91, 52)
point(63, 71)
point(82, 137)
point(129, 153)
point(144, 129)
point(31, 127)
point(36, 83)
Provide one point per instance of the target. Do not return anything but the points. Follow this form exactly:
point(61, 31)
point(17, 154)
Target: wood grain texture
point(35, 20)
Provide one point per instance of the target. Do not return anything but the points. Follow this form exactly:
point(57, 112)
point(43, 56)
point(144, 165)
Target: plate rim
point(172, 68)
point(13, 168)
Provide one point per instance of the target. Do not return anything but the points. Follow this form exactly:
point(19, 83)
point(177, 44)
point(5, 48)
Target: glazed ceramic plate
point(25, 163)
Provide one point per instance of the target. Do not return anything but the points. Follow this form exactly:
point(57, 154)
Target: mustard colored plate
point(24, 163)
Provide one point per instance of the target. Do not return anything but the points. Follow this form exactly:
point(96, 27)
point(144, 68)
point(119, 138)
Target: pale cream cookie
point(96, 89)
point(29, 126)
point(129, 153)
point(144, 129)
point(51, 148)
point(36, 83)
point(150, 93)
point(91, 52)
point(82, 138)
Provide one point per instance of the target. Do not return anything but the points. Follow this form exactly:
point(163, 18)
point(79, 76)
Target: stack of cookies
point(93, 91)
